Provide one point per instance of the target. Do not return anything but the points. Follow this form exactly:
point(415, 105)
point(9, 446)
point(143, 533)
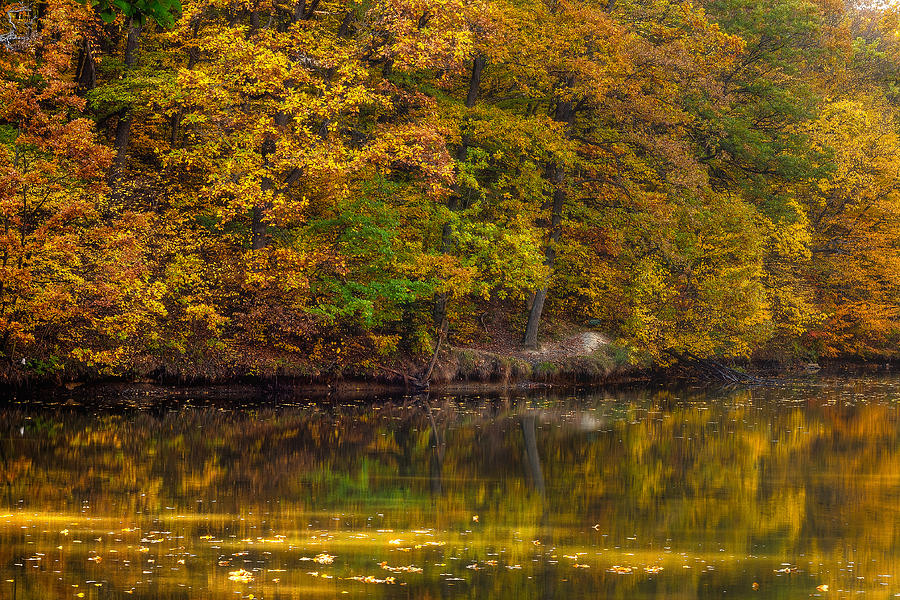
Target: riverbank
point(579, 358)
point(584, 358)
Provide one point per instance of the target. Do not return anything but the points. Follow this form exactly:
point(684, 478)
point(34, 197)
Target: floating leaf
point(409, 569)
point(241, 576)
point(619, 570)
point(372, 579)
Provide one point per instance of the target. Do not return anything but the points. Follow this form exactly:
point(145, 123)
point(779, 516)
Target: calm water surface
point(768, 493)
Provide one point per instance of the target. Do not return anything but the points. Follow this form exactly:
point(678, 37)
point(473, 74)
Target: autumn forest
point(249, 187)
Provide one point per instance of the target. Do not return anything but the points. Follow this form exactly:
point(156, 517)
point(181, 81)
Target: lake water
point(763, 493)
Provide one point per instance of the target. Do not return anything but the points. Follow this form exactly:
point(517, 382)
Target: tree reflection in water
point(690, 494)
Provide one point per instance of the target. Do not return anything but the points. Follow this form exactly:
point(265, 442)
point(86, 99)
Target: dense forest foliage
point(335, 183)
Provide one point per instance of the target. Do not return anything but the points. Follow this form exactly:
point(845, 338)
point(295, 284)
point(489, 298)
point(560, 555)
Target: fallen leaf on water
point(786, 570)
point(409, 569)
point(822, 588)
point(755, 586)
point(620, 570)
point(371, 579)
point(653, 569)
point(324, 558)
point(241, 576)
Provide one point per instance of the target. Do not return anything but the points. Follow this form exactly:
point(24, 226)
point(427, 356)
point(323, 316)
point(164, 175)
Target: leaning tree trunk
point(557, 176)
point(711, 369)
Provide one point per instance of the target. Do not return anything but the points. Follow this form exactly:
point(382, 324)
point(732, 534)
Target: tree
point(854, 216)
point(51, 163)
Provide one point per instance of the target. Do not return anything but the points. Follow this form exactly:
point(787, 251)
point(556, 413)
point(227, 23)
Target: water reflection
point(647, 494)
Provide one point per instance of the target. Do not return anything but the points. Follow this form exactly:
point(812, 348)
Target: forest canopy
point(337, 184)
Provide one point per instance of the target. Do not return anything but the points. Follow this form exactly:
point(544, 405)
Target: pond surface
point(764, 493)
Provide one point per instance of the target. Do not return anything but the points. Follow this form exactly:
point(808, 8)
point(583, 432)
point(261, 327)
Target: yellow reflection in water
point(788, 492)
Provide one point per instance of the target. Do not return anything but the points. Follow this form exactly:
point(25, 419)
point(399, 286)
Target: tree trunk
point(123, 127)
point(123, 136)
point(471, 99)
point(440, 310)
point(557, 176)
point(346, 23)
point(304, 12)
point(534, 318)
point(258, 227)
point(86, 75)
point(475, 80)
point(275, 183)
point(193, 57)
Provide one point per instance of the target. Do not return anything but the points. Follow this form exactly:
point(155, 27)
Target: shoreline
point(490, 372)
